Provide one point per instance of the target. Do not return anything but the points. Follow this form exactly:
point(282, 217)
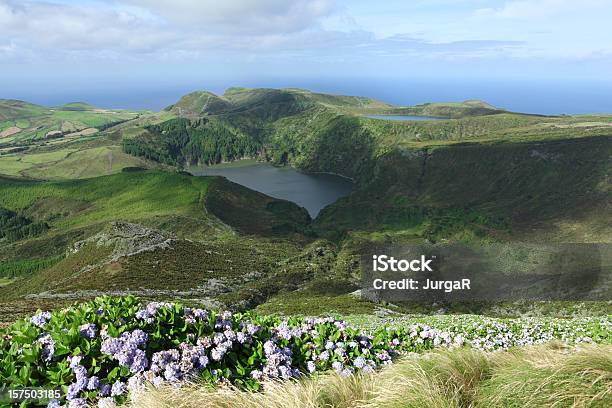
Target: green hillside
point(13, 109)
point(503, 190)
point(76, 106)
point(149, 232)
point(24, 124)
point(104, 224)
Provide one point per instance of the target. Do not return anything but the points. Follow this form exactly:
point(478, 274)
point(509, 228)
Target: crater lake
point(311, 191)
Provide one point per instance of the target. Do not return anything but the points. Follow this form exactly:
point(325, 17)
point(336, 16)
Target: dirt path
point(10, 131)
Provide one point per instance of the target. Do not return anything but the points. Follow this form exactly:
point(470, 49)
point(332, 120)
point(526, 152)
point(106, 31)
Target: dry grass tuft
point(541, 376)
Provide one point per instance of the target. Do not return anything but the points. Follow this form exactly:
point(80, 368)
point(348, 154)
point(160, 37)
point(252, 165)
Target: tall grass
point(549, 375)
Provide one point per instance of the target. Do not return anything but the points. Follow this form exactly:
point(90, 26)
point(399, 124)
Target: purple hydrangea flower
point(346, 372)
point(54, 404)
point(77, 403)
point(105, 390)
point(73, 392)
point(74, 361)
point(48, 347)
point(139, 337)
point(218, 338)
point(93, 384)
point(125, 349)
point(81, 377)
point(269, 347)
point(41, 319)
point(241, 337)
point(88, 330)
point(217, 353)
point(135, 382)
point(139, 361)
point(118, 388)
point(311, 367)
point(360, 362)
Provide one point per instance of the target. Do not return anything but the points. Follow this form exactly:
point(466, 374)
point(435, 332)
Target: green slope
point(484, 175)
point(507, 191)
point(152, 232)
point(13, 109)
point(30, 124)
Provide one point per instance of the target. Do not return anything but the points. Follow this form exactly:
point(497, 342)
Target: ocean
point(548, 97)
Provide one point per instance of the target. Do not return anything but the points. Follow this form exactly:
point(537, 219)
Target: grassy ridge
point(317, 132)
point(251, 212)
point(128, 196)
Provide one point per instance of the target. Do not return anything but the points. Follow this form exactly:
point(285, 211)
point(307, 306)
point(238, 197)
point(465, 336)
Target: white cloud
point(284, 34)
point(256, 17)
point(538, 9)
point(188, 30)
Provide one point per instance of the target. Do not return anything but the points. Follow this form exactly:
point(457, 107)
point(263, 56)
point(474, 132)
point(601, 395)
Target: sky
point(145, 53)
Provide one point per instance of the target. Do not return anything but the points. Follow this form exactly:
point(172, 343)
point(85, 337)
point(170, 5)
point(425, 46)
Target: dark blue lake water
point(311, 191)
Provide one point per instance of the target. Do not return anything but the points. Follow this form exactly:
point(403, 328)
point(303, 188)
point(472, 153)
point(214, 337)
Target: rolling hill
point(483, 175)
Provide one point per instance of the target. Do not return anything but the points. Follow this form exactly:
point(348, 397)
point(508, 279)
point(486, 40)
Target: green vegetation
point(478, 190)
point(251, 212)
point(127, 196)
point(14, 227)
point(180, 141)
point(12, 269)
point(109, 349)
point(484, 175)
point(135, 229)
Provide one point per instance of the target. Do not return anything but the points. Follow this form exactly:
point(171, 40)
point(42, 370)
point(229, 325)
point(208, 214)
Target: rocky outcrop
point(126, 239)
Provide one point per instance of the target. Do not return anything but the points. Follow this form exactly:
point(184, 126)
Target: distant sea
point(550, 97)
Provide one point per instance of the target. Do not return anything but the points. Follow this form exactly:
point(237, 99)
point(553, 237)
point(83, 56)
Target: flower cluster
point(84, 383)
point(41, 319)
point(117, 345)
point(88, 330)
point(48, 346)
point(193, 315)
point(278, 363)
point(150, 311)
point(126, 349)
point(173, 365)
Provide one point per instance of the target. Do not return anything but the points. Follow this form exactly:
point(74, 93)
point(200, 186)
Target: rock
point(127, 239)
point(54, 134)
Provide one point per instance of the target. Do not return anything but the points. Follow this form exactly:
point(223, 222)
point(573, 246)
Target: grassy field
point(37, 121)
point(127, 196)
point(70, 162)
point(537, 376)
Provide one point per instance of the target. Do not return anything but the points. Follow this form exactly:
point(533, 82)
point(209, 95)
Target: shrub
point(106, 347)
point(103, 349)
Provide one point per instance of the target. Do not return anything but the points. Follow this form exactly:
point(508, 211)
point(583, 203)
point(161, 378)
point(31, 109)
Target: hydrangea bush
point(97, 352)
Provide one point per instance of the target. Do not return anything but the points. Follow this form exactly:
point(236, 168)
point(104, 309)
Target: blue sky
point(63, 47)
